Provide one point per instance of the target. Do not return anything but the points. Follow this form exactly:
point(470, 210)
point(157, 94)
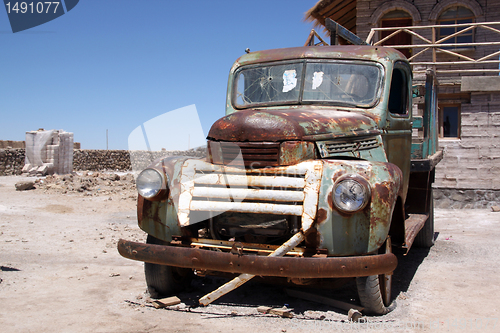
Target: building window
point(449, 121)
point(456, 15)
point(397, 18)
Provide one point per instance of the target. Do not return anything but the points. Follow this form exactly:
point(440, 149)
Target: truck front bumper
point(293, 267)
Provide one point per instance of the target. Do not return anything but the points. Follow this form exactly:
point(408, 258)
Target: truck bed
point(426, 164)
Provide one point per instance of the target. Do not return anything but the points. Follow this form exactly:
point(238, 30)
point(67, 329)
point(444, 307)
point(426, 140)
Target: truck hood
point(284, 125)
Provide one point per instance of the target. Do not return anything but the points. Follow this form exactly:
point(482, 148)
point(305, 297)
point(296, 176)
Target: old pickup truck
point(320, 166)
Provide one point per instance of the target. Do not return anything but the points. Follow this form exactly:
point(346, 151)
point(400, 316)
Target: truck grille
point(333, 147)
point(212, 188)
point(254, 154)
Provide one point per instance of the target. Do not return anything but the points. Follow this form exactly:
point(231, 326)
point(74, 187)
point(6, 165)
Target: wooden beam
point(329, 7)
point(343, 11)
point(338, 30)
point(351, 23)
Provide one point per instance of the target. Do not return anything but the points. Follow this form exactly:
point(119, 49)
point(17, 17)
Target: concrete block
point(50, 168)
point(42, 170)
point(26, 168)
point(32, 171)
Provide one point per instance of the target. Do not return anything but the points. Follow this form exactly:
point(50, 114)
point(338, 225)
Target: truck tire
point(375, 291)
point(163, 280)
point(425, 237)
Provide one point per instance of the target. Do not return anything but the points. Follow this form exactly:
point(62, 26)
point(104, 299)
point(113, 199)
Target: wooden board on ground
point(164, 302)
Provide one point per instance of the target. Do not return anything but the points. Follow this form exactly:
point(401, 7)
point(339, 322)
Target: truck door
point(397, 138)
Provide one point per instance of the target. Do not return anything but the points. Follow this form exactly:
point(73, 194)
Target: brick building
point(460, 41)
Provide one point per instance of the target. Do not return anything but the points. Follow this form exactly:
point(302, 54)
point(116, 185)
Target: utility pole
point(106, 139)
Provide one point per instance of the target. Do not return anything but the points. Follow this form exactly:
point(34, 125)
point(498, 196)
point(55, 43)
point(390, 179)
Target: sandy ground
point(60, 272)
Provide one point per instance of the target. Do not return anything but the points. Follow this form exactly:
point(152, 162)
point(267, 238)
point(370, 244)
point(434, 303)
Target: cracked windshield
point(340, 83)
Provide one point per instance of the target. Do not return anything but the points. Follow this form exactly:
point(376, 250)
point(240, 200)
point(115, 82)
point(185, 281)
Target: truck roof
point(353, 52)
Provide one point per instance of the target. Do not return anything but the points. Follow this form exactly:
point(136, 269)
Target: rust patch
point(374, 221)
point(338, 173)
point(175, 182)
point(396, 174)
point(321, 216)
point(383, 192)
point(279, 125)
point(329, 200)
point(140, 209)
point(253, 125)
point(312, 238)
point(258, 265)
point(375, 117)
point(293, 152)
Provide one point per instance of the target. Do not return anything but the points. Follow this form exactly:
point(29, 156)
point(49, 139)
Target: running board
point(413, 224)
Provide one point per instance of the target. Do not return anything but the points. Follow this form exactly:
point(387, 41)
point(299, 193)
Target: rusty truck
point(323, 163)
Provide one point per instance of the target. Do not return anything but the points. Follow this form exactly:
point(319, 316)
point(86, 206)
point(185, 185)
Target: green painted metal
point(365, 231)
point(159, 218)
point(376, 154)
point(153, 221)
point(418, 122)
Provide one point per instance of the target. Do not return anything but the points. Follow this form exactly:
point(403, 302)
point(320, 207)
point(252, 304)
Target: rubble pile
point(90, 184)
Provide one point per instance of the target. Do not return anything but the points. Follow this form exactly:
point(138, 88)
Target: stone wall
point(465, 198)
point(9, 144)
point(95, 160)
point(11, 161)
point(473, 161)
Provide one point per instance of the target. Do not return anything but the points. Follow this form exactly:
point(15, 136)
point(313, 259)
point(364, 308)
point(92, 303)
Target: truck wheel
point(165, 280)
point(425, 237)
point(375, 291)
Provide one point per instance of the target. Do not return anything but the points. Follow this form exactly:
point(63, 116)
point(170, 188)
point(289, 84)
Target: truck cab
point(317, 169)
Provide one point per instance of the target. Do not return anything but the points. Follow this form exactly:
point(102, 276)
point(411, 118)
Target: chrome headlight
point(150, 183)
point(351, 194)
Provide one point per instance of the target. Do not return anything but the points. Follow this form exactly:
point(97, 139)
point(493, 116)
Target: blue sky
point(115, 64)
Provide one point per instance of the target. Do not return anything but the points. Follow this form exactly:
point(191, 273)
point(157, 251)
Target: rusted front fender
point(364, 231)
point(294, 267)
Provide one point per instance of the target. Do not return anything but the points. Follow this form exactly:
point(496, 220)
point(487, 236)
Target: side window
point(398, 94)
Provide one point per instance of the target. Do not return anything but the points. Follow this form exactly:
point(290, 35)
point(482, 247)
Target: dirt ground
point(61, 272)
